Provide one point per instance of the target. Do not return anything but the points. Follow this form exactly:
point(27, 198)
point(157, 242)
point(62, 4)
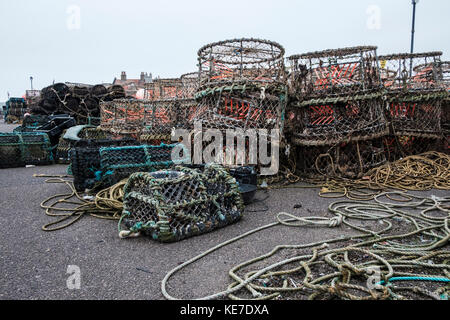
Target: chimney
point(123, 76)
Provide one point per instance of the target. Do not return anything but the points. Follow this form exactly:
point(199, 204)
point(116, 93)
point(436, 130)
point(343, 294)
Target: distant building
point(133, 87)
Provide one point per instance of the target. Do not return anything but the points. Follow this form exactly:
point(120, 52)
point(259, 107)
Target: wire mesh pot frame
point(238, 60)
point(337, 119)
point(161, 89)
point(334, 71)
point(416, 112)
point(406, 71)
point(191, 83)
point(151, 119)
point(250, 105)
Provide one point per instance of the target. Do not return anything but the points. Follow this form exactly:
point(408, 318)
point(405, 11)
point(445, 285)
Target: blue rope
point(416, 279)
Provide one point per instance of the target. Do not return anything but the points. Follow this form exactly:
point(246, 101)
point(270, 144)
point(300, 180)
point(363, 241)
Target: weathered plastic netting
point(398, 147)
point(348, 160)
point(118, 163)
point(85, 160)
point(154, 119)
point(176, 204)
point(27, 148)
point(445, 121)
point(337, 71)
point(245, 106)
point(162, 89)
point(331, 120)
point(241, 60)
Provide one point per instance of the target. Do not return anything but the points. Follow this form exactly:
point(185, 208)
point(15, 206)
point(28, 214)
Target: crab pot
point(190, 83)
point(416, 113)
point(85, 160)
point(161, 89)
point(248, 106)
point(65, 144)
point(398, 147)
point(122, 116)
point(328, 121)
point(241, 60)
point(118, 163)
point(347, 160)
point(180, 203)
point(163, 116)
point(335, 71)
point(27, 148)
point(417, 71)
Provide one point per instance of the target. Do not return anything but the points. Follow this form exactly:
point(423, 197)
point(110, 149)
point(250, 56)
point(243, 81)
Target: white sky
point(163, 36)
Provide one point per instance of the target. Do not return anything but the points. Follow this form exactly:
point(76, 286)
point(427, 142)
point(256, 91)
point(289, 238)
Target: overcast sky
point(92, 41)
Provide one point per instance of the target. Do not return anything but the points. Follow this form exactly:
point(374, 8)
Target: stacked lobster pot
point(15, 110)
point(19, 149)
point(335, 119)
point(72, 135)
point(445, 121)
point(150, 121)
point(415, 97)
point(241, 90)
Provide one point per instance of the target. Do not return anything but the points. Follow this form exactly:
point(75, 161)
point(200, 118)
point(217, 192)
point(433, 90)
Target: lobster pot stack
point(118, 163)
point(15, 109)
point(162, 89)
point(150, 121)
point(162, 117)
point(176, 204)
point(124, 117)
point(27, 148)
point(71, 136)
point(415, 98)
point(335, 118)
point(242, 87)
point(85, 160)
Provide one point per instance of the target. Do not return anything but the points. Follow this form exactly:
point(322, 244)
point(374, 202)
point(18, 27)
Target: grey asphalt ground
point(33, 263)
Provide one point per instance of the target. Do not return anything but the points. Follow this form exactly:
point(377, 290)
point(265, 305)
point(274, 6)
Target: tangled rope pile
point(106, 204)
point(364, 266)
point(427, 171)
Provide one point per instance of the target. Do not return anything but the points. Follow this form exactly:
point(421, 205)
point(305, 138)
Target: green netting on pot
point(85, 160)
point(331, 120)
point(348, 160)
point(28, 148)
point(118, 163)
point(183, 202)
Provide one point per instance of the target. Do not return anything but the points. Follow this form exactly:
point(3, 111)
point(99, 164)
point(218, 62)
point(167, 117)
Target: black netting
point(20, 149)
point(85, 160)
point(118, 163)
